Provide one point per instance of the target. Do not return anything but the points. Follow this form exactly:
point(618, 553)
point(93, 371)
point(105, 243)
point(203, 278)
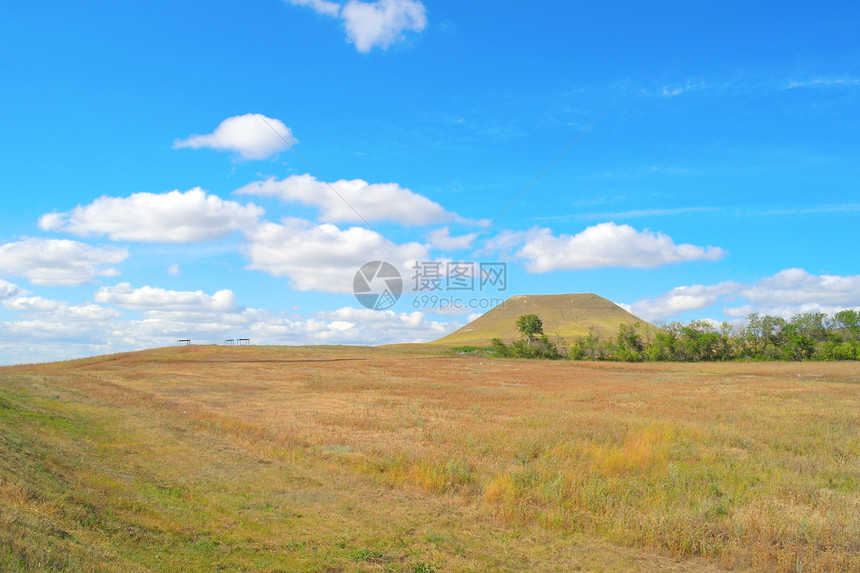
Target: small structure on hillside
point(183, 342)
point(230, 342)
point(243, 341)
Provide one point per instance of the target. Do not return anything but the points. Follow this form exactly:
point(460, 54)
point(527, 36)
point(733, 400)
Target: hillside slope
point(566, 315)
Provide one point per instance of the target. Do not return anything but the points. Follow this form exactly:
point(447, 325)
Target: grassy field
point(348, 459)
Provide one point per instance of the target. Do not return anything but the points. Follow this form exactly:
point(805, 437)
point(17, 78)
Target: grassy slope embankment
point(335, 459)
point(568, 316)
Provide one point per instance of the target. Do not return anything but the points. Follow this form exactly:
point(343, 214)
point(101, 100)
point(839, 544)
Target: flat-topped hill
point(566, 315)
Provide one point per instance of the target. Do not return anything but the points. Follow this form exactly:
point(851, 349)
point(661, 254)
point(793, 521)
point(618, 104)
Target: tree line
point(806, 336)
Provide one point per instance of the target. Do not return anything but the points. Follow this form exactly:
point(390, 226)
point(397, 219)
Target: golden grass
point(569, 316)
point(350, 459)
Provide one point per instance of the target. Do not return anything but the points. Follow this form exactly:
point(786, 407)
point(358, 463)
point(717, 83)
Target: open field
point(351, 459)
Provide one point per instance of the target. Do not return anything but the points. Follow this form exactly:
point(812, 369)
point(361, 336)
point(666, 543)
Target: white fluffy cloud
point(251, 136)
point(442, 239)
point(150, 298)
point(352, 201)
point(51, 330)
point(54, 330)
point(322, 257)
point(798, 287)
point(376, 24)
point(785, 294)
point(681, 299)
point(343, 326)
point(381, 23)
point(53, 262)
point(379, 327)
point(30, 304)
point(43, 311)
point(602, 245)
point(9, 290)
point(174, 217)
point(77, 326)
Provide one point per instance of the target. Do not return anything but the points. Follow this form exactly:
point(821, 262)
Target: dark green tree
point(847, 323)
point(533, 343)
point(629, 345)
point(530, 326)
point(664, 347)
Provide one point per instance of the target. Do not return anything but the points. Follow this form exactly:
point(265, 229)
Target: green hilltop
point(566, 315)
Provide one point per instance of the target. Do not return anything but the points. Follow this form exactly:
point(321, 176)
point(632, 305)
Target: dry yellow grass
point(350, 459)
point(569, 316)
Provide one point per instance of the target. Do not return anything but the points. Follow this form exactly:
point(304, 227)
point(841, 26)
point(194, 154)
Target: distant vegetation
point(533, 343)
point(807, 336)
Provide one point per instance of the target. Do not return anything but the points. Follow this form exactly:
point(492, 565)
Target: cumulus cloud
point(342, 326)
point(356, 325)
point(602, 245)
point(53, 330)
point(381, 23)
point(681, 299)
point(376, 24)
point(76, 327)
point(322, 257)
point(174, 217)
point(46, 310)
point(352, 201)
point(63, 331)
point(87, 312)
point(150, 298)
point(48, 329)
point(30, 304)
point(9, 290)
point(798, 287)
point(53, 262)
point(785, 294)
point(251, 136)
point(442, 239)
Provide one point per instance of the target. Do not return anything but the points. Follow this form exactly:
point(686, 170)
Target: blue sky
point(214, 170)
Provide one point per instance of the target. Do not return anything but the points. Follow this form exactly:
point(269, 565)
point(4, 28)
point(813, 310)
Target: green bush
point(807, 336)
